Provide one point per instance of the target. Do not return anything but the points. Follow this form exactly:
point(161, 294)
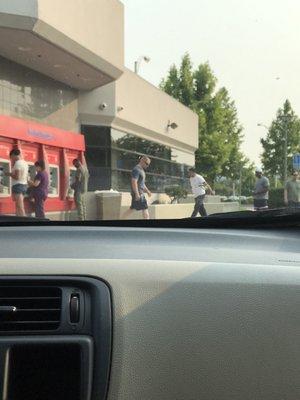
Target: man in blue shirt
point(139, 188)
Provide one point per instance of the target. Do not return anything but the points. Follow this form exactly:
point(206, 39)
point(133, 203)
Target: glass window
point(155, 182)
point(96, 135)
point(97, 157)
point(121, 180)
point(31, 95)
point(182, 157)
point(123, 159)
point(134, 143)
point(121, 152)
point(4, 180)
point(127, 160)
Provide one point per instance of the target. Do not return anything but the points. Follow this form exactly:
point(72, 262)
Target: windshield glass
point(148, 109)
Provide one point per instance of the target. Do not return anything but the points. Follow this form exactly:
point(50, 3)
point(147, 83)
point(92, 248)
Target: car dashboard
point(168, 313)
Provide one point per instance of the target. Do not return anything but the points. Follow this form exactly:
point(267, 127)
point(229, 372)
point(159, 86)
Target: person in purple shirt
point(39, 188)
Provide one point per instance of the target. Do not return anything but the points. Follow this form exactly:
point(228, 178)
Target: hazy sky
point(248, 43)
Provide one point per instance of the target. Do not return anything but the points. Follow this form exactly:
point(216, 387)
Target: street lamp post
point(137, 63)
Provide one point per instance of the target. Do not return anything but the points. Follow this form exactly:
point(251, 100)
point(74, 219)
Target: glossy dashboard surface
point(197, 314)
point(212, 245)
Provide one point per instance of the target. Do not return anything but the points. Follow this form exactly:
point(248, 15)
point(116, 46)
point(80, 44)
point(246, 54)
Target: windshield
point(145, 109)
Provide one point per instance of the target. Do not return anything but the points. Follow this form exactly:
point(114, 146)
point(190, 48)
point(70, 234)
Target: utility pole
point(240, 182)
point(285, 151)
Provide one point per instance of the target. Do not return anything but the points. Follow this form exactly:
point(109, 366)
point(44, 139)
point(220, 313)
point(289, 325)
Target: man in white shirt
point(19, 175)
point(199, 186)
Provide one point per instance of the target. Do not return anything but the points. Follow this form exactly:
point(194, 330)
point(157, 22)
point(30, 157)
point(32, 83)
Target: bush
point(276, 198)
point(176, 193)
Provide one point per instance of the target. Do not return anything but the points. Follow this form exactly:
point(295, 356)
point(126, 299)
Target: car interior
point(96, 312)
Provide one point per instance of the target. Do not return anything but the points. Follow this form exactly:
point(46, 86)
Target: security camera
point(103, 106)
point(120, 108)
point(147, 59)
point(172, 125)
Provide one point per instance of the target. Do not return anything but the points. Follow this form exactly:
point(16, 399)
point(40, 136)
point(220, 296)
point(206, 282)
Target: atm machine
point(4, 180)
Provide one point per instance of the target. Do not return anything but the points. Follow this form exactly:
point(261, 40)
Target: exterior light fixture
point(137, 63)
point(172, 125)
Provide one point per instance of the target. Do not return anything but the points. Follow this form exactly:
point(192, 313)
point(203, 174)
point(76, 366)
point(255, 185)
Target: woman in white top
point(19, 175)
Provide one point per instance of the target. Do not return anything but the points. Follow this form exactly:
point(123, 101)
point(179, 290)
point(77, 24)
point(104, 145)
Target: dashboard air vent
point(29, 308)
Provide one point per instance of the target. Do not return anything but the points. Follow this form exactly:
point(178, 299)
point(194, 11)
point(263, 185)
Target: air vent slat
point(29, 298)
point(29, 322)
point(36, 308)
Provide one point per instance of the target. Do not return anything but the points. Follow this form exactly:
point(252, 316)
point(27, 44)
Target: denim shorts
point(19, 188)
point(138, 205)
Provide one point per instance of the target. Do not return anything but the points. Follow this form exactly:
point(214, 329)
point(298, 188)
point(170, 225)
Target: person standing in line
point(39, 188)
point(199, 187)
point(19, 175)
point(292, 191)
point(139, 188)
point(80, 186)
point(261, 191)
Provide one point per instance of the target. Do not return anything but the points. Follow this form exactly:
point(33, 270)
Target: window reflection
point(167, 167)
point(115, 153)
point(28, 94)
point(142, 146)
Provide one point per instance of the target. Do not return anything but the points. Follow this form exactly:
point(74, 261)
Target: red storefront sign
point(29, 131)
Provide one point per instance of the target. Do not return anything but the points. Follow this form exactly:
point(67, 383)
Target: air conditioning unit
point(30, 308)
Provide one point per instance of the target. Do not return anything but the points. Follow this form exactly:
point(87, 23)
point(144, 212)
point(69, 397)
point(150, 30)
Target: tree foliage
point(220, 132)
point(285, 123)
point(176, 193)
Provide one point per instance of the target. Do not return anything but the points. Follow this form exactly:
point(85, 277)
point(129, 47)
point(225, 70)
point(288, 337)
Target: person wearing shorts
point(139, 188)
point(19, 175)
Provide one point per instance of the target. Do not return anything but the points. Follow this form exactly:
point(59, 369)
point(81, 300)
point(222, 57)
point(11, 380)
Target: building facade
point(66, 70)
point(137, 120)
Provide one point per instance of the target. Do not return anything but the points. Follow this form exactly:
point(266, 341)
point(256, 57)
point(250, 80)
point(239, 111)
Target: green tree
point(220, 133)
point(285, 123)
point(186, 82)
point(171, 85)
point(180, 83)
